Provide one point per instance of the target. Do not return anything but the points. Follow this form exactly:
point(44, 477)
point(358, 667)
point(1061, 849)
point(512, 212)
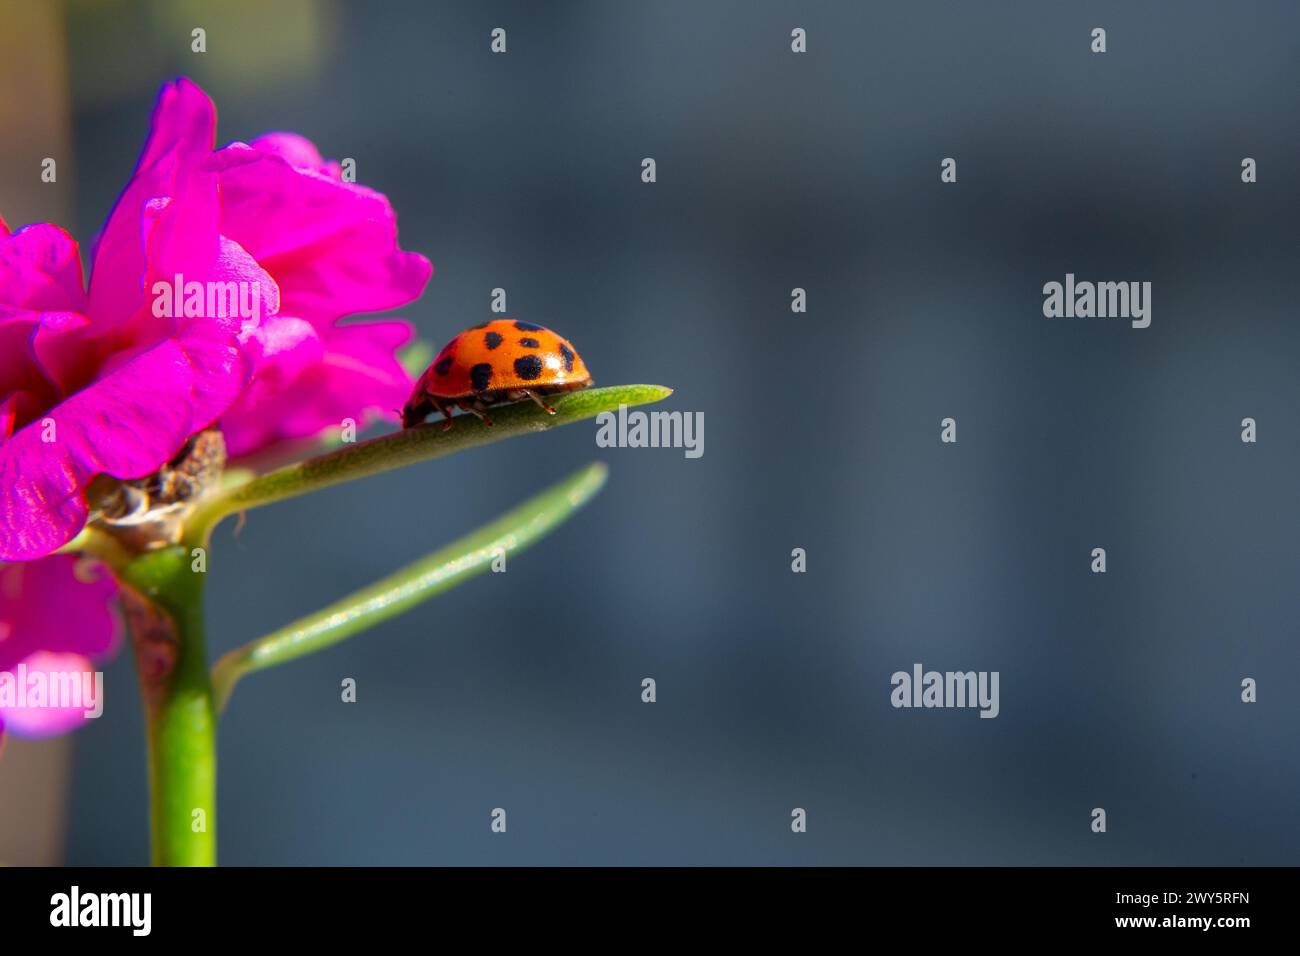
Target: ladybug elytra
point(494, 363)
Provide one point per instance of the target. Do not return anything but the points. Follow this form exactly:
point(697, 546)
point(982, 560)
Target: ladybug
point(493, 363)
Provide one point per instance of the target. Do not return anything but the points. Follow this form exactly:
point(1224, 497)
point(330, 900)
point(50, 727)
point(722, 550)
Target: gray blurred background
point(775, 170)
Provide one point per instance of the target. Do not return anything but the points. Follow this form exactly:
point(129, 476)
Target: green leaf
point(417, 582)
point(407, 447)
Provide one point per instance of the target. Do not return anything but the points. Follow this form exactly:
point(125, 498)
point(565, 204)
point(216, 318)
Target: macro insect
point(494, 363)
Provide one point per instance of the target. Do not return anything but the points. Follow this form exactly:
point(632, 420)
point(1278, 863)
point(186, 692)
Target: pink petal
point(63, 603)
point(171, 169)
point(20, 372)
point(127, 424)
point(284, 347)
point(56, 614)
point(297, 151)
point(60, 346)
point(8, 414)
point(40, 268)
point(234, 264)
point(332, 246)
point(358, 377)
point(40, 289)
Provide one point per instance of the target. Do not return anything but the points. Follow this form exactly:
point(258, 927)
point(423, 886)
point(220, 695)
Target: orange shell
point(500, 355)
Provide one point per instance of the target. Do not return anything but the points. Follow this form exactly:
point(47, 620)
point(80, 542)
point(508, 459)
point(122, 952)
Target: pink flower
point(332, 249)
point(103, 381)
point(93, 382)
point(109, 380)
point(56, 619)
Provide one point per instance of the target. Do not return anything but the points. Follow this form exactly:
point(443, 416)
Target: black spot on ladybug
point(530, 343)
point(527, 327)
point(528, 368)
point(443, 365)
point(493, 339)
point(567, 354)
point(480, 375)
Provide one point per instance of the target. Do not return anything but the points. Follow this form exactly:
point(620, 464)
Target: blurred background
point(775, 171)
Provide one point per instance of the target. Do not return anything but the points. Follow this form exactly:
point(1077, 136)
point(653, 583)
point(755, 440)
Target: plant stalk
point(164, 605)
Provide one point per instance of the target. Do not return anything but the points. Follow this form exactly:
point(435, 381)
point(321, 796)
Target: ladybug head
point(414, 412)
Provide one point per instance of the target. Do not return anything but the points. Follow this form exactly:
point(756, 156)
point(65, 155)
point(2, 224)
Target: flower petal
point(127, 424)
point(40, 268)
point(298, 151)
point(172, 168)
point(357, 377)
point(332, 246)
point(63, 603)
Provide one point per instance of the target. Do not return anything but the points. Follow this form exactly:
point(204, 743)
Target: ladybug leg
point(538, 399)
point(446, 413)
point(479, 409)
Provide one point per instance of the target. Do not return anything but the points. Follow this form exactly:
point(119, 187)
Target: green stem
point(164, 606)
point(407, 447)
point(415, 582)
